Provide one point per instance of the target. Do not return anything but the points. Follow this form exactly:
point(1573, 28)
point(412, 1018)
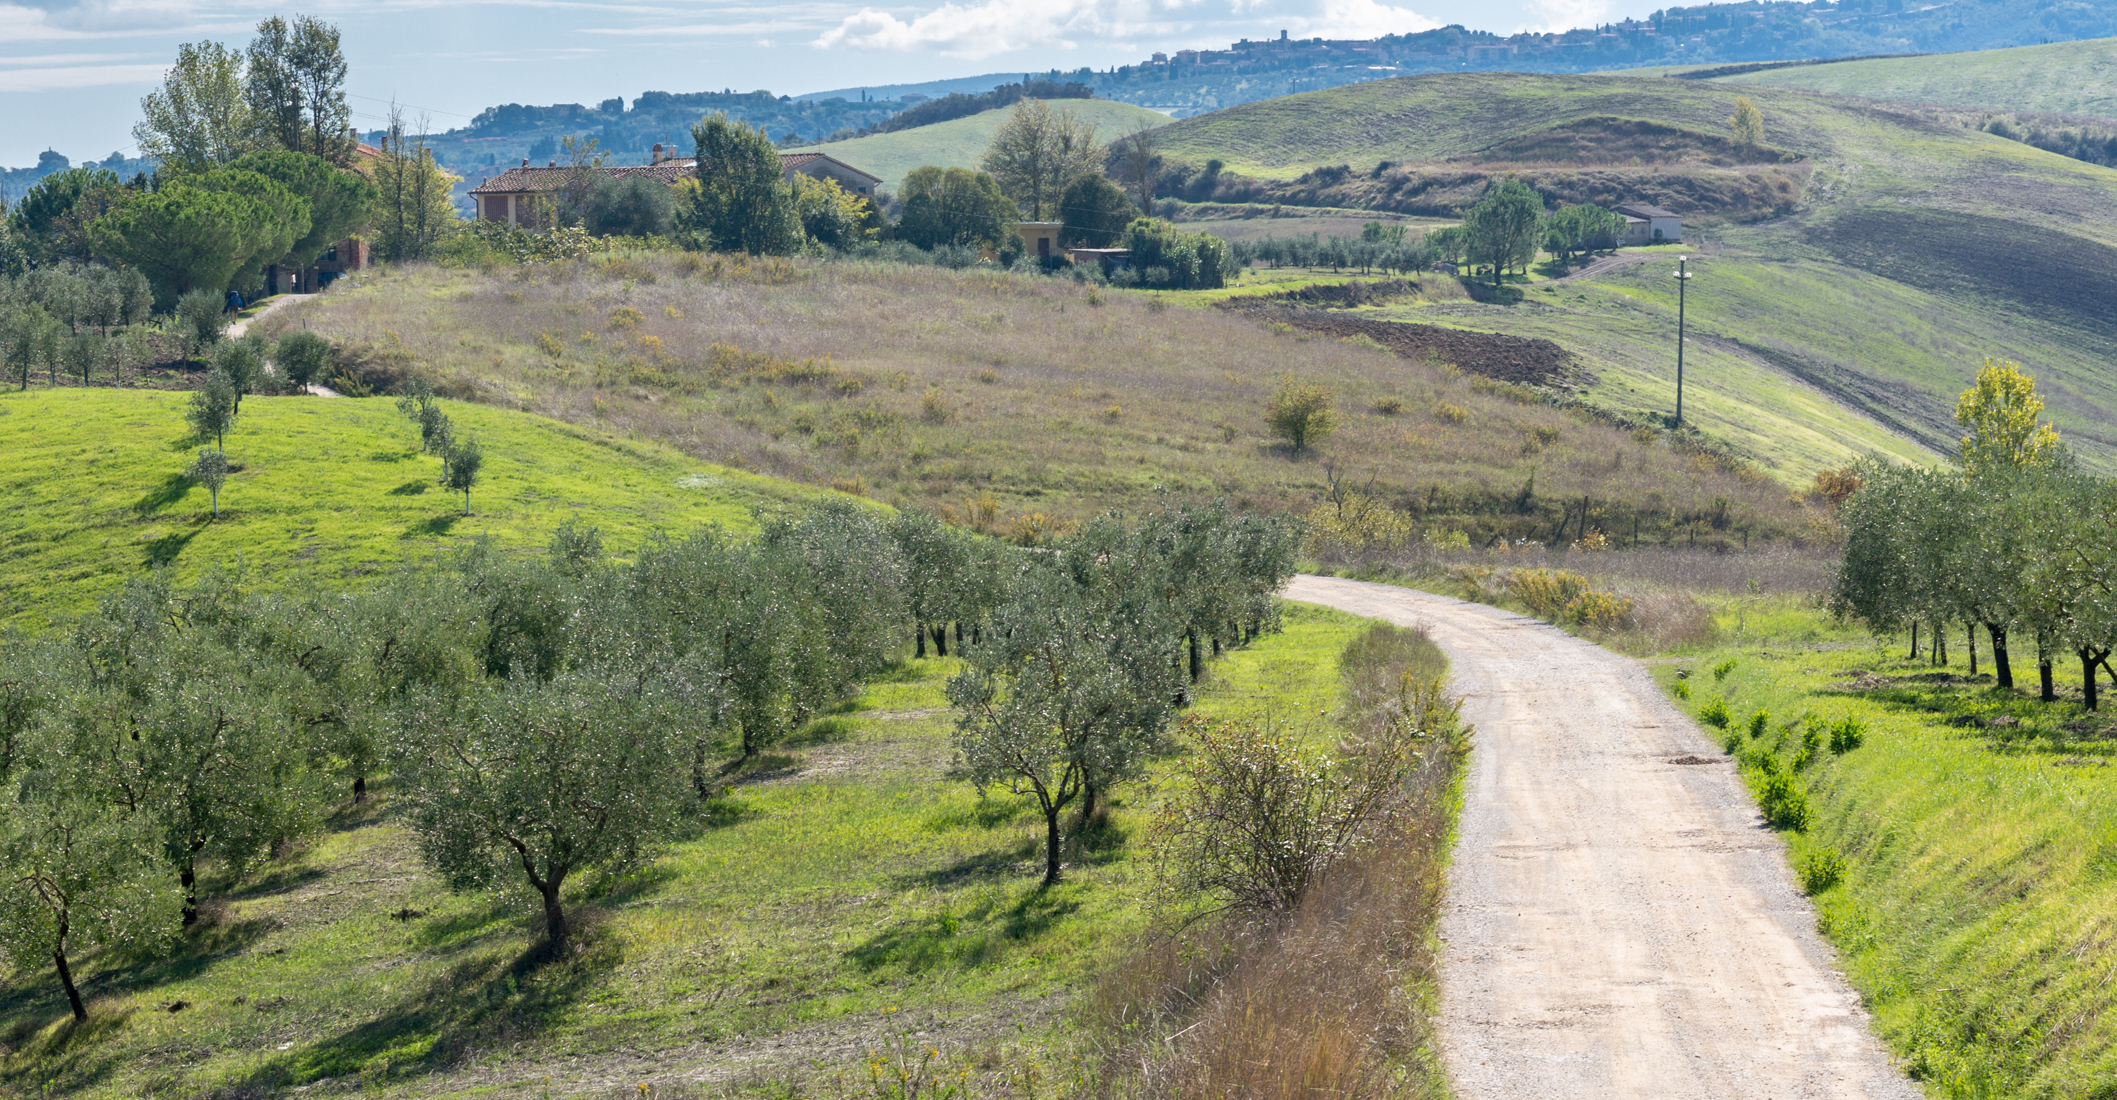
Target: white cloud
point(1366, 19)
point(1564, 15)
point(77, 76)
point(997, 26)
point(989, 27)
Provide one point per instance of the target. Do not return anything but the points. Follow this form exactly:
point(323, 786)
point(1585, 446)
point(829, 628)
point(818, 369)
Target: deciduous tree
point(744, 203)
point(2000, 412)
point(211, 470)
point(200, 117)
point(1301, 413)
point(1037, 152)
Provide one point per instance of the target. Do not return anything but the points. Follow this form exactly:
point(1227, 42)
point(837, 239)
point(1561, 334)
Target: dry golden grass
point(1005, 395)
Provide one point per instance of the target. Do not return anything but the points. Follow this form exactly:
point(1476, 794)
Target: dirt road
point(1617, 925)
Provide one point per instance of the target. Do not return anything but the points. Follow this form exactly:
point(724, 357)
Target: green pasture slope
point(960, 142)
point(1979, 837)
point(1918, 248)
point(2073, 78)
point(94, 489)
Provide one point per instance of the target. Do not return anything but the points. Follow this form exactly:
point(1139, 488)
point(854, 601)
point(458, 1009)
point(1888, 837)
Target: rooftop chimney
point(657, 153)
point(553, 164)
point(525, 162)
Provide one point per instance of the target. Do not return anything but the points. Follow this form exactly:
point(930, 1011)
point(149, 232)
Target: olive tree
point(77, 873)
point(211, 411)
point(460, 464)
point(544, 778)
point(1059, 695)
point(211, 470)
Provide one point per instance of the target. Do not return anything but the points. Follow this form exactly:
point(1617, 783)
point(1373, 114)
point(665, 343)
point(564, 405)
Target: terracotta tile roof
point(796, 160)
point(519, 180)
point(1646, 210)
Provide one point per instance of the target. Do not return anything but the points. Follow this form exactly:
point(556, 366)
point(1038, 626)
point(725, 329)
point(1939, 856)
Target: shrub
point(1758, 722)
point(1847, 734)
point(1714, 713)
point(1300, 414)
point(1823, 869)
point(1784, 804)
point(1561, 595)
point(1390, 406)
point(302, 357)
point(1683, 689)
point(1721, 670)
point(201, 317)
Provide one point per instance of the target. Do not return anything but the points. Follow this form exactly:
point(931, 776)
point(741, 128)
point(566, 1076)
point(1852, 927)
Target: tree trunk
point(2087, 677)
point(2043, 672)
point(66, 978)
point(1914, 642)
point(360, 789)
point(187, 877)
point(1091, 804)
point(2000, 667)
point(1940, 645)
point(1051, 844)
point(1970, 640)
point(1197, 661)
point(959, 633)
point(554, 918)
point(918, 637)
point(941, 640)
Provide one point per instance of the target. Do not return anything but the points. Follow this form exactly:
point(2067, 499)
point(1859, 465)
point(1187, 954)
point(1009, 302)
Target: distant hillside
point(1905, 219)
point(2078, 78)
point(959, 143)
point(1191, 82)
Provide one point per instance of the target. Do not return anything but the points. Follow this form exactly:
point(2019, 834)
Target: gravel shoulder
point(1617, 925)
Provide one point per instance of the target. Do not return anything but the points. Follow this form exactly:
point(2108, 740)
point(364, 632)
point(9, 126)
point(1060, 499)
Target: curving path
point(1617, 925)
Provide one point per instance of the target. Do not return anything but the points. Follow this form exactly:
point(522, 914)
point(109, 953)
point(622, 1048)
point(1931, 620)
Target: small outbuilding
point(1649, 224)
point(1040, 239)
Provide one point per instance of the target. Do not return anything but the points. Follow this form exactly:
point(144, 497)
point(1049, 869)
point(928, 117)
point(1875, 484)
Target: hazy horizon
point(72, 71)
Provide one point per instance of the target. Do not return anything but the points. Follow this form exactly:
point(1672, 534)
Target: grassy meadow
point(844, 901)
point(1000, 396)
point(961, 142)
point(2074, 78)
point(1976, 830)
point(323, 489)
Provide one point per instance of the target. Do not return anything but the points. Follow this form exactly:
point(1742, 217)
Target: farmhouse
point(1647, 224)
point(512, 195)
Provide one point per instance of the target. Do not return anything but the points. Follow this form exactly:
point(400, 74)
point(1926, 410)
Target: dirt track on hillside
point(1617, 925)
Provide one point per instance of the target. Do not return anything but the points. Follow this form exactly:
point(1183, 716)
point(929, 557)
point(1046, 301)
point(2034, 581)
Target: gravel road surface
point(1617, 925)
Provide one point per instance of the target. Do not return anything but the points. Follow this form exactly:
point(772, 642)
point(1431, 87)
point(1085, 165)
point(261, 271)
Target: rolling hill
point(324, 489)
point(2078, 78)
point(959, 143)
point(1902, 262)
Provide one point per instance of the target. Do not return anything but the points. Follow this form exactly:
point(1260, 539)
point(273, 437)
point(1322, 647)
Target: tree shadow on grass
point(172, 489)
point(164, 550)
point(480, 1004)
point(972, 936)
point(57, 1054)
point(991, 865)
point(438, 525)
point(410, 489)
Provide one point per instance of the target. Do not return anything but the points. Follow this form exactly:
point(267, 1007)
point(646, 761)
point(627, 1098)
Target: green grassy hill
point(2078, 78)
point(958, 143)
point(1905, 261)
point(94, 489)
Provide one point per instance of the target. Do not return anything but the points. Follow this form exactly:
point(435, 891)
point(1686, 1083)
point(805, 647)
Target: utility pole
point(1683, 278)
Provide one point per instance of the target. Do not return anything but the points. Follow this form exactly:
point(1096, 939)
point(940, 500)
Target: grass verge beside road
point(1960, 856)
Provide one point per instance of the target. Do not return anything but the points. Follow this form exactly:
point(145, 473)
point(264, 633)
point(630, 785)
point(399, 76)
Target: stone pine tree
point(211, 470)
point(541, 780)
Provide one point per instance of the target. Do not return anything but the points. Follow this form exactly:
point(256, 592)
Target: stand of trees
point(2017, 544)
point(552, 717)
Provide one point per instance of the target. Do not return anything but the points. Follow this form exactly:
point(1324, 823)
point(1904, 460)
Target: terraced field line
point(1617, 925)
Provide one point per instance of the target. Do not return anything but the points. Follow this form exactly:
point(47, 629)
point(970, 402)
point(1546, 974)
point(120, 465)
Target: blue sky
point(72, 71)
